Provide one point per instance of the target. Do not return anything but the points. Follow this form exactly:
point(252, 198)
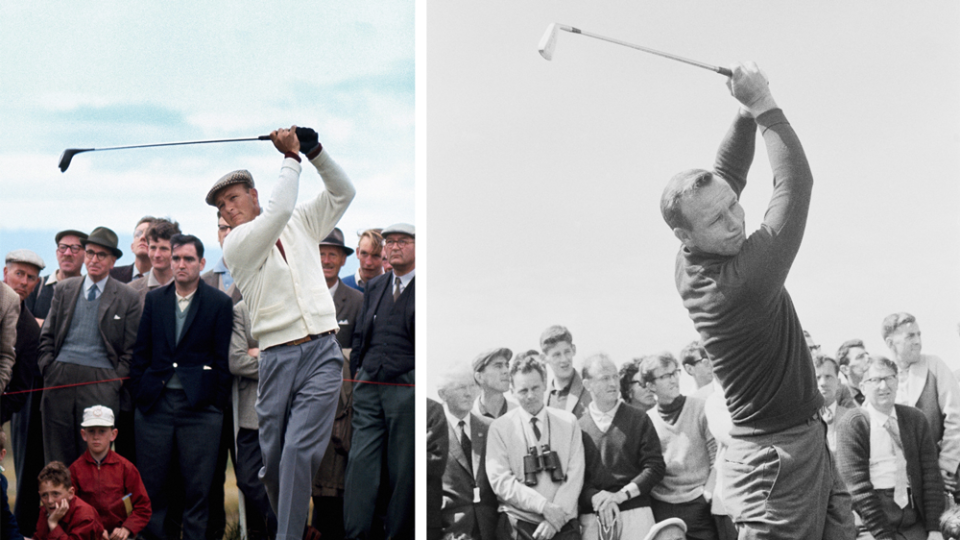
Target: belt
point(303, 340)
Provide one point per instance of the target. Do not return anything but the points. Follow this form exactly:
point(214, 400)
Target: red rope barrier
point(125, 378)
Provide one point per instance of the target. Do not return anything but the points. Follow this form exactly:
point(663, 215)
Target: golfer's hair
point(527, 364)
point(692, 353)
point(144, 219)
point(375, 238)
point(650, 363)
point(554, 335)
point(679, 187)
point(881, 361)
point(57, 474)
point(843, 353)
point(950, 524)
point(892, 322)
point(822, 359)
point(184, 239)
point(587, 371)
point(163, 229)
point(628, 371)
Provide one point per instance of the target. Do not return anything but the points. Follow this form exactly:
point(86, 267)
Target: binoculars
point(547, 460)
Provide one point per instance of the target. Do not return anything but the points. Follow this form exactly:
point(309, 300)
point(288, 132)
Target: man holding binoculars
point(535, 462)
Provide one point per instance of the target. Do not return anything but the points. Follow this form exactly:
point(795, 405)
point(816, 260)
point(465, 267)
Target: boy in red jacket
point(107, 481)
point(63, 516)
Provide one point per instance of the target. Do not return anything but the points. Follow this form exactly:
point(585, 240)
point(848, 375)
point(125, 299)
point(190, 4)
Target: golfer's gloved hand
point(309, 142)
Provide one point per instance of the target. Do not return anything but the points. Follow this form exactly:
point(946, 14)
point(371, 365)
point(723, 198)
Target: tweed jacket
point(577, 399)
point(460, 512)
point(853, 461)
point(244, 368)
point(9, 315)
point(438, 442)
point(118, 318)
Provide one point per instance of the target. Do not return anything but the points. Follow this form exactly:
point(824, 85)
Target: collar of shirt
point(877, 416)
point(912, 380)
point(360, 282)
point(87, 282)
point(333, 290)
point(455, 422)
point(541, 425)
point(405, 279)
point(183, 302)
point(603, 419)
point(833, 408)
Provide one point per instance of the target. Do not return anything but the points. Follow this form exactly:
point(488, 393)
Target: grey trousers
point(296, 402)
point(62, 408)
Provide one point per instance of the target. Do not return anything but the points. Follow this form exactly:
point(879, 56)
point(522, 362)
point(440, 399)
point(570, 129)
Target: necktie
point(536, 430)
point(93, 293)
point(900, 488)
point(282, 253)
point(396, 289)
point(466, 445)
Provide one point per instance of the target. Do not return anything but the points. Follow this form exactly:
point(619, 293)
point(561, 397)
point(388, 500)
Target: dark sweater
point(739, 304)
point(920, 452)
point(628, 452)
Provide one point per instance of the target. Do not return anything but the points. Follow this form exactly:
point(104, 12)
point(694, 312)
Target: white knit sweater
point(289, 299)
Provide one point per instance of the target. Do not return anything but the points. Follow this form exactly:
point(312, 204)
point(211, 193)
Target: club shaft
point(260, 138)
point(723, 71)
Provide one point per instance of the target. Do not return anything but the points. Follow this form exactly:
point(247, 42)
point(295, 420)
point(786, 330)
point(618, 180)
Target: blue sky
point(76, 75)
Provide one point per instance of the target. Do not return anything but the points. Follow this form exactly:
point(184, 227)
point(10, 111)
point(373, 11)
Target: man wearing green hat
point(88, 337)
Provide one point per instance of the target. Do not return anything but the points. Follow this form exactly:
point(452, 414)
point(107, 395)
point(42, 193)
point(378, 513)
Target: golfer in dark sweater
point(779, 477)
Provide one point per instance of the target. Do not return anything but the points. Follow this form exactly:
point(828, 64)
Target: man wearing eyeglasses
point(383, 410)
point(697, 364)
point(688, 446)
point(925, 382)
point(888, 459)
point(70, 262)
point(88, 337)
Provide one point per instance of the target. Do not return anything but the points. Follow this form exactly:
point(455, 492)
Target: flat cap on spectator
point(335, 238)
point(25, 256)
point(486, 357)
point(663, 526)
point(68, 232)
point(241, 176)
point(399, 228)
point(98, 415)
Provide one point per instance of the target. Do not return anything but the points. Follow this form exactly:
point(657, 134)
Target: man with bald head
point(70, 262)
point(469, 504)
point(622, 455)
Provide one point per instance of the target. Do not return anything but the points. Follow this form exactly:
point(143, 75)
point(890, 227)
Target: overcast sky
point(544, 178)
point(88, 75)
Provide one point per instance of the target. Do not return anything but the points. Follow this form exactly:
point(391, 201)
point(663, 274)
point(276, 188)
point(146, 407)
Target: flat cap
point(69, 232)
point(241, 176)
point(486, 357)
point(25, 256)
point(399, 228)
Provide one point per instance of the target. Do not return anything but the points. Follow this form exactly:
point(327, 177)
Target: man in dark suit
point(383, 413)
point(88, 336)
point(141, 250)
point(469, 504)
point(180, 381)
point(438, 443)
point(882, 448)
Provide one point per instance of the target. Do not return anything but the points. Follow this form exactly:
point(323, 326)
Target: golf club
point(68, 154)
point(549, 42)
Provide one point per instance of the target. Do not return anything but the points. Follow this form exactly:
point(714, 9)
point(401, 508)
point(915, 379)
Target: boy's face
point(560, 358)
point(98, 438)
point(51, 495)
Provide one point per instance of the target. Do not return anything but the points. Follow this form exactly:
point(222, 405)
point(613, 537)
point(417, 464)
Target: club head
point(548, 42)
point(67, 156)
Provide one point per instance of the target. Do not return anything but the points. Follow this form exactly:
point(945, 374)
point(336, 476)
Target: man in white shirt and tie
point(888, 459)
